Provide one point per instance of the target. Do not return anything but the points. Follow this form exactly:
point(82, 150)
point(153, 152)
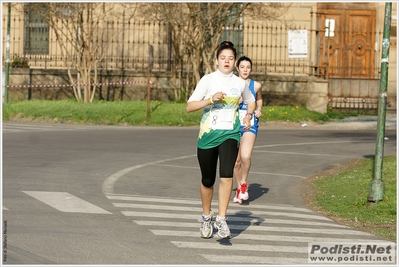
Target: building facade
point(339, 42)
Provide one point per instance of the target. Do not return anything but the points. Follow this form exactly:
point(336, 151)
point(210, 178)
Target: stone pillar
point(317, 96)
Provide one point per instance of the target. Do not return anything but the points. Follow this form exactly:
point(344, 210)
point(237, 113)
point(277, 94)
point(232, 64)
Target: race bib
point(222, 119)
point(242, 116)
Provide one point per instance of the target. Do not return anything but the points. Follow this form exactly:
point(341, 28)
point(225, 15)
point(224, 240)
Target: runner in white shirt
point(218, 94)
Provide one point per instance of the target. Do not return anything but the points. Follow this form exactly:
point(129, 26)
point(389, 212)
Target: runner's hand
point(247, 122)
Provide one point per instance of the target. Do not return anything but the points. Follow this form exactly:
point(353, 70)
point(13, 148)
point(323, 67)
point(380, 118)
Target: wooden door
point(331, 42)
point(347, 44)
point(359, 45)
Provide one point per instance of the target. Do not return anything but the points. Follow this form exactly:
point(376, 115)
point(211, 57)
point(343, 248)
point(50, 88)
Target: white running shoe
point(206, 228)
point(222, 227)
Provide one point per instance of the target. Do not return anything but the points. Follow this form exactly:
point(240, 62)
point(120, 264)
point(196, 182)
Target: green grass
point(296, 114)
point(344, 197)
point(135, 113)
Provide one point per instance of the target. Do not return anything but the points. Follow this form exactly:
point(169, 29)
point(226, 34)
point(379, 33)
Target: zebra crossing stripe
point(234, 218)
point(198, 202)
point(255, 259)
point(257, 228)
point(65, 202)
point(231, 210)
point(243, 247)
point(268, 237)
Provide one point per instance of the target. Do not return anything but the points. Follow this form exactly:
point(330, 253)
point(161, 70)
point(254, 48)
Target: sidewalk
point(362, 122)
point(355, 122)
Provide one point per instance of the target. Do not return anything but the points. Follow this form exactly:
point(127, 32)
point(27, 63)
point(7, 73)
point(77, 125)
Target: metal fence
point(266, 44)
point(33, 41)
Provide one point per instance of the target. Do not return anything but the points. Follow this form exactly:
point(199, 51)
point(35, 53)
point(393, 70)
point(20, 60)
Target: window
point(234, 32)
point(229, 17)
point(36, 37)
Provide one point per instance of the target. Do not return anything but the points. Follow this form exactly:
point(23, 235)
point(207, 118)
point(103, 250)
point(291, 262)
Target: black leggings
point(226, 152)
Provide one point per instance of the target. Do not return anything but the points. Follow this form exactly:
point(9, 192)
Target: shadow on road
point(255, 191)
point(239, 225)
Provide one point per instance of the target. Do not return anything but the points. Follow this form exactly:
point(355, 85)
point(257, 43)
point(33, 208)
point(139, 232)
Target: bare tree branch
point(197, 27)
point(86, 28)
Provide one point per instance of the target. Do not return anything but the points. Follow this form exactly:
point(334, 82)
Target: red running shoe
point(243, 195)
point(236, 197)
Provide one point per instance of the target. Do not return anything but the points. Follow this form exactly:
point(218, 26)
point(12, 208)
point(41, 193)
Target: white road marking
point(231, 210)
point(297, 153)
point(310, 143)
point(235, 218)
point(254, 260)
point(268, 237)
point(65, 202)
point(257, 228)
point(242, 247)
point(198, 202)
point(108, 184)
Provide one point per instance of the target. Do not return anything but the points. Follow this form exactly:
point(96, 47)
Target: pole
point(377, 186)
point(150, 65)
point(148, 95)
point(7, 56)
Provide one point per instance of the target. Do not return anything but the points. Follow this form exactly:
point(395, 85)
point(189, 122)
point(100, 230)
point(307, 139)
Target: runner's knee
point(207, 182)
point(227, 173)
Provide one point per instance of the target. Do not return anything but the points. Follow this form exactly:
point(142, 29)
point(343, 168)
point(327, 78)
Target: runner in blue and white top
point(218, 94)
point(248, 137)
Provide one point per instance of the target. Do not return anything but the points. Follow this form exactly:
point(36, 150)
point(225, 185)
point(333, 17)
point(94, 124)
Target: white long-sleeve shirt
point(220, 121)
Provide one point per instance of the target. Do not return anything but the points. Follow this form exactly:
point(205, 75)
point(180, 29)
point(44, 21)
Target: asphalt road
point(130, 195)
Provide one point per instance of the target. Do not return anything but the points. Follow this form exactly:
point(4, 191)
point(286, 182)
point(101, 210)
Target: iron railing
point(266, 44)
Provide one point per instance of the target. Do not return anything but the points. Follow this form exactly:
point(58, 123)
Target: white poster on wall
point(298, 43)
